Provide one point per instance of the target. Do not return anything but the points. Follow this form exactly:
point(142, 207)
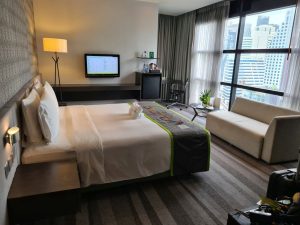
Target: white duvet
point(109, 144)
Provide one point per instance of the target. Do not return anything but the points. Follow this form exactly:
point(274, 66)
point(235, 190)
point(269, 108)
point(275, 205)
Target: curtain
point(175, 41)
point(207, 49)
point(185, 25)
point(166, 48)
point(291, 97)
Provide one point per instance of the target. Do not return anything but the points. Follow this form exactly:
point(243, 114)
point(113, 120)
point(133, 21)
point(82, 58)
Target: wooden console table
point(94, 92)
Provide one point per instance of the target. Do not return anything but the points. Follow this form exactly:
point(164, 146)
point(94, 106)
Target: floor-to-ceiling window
point(256, 47)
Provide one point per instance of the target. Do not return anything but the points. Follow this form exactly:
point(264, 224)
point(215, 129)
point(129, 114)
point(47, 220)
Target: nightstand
point(44, 190)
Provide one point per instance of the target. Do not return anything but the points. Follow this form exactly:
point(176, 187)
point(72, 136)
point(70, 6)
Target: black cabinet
point(150, 85)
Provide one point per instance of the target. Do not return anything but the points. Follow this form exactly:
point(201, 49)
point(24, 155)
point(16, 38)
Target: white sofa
point(264, 131)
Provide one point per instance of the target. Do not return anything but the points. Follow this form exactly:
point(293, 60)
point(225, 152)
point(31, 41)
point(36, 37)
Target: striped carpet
point(235, 181)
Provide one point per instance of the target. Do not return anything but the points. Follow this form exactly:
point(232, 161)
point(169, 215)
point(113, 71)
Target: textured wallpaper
point(18, 59)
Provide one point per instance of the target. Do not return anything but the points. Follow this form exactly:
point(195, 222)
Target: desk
point(94, 92)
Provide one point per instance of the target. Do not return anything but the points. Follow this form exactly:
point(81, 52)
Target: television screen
point(102, 65)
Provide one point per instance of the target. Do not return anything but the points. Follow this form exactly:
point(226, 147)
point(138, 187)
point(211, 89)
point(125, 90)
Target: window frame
point(238, 51)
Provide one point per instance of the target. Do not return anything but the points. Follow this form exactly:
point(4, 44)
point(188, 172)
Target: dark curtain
point(175, 41)
point(166, 48)
point(183, 49)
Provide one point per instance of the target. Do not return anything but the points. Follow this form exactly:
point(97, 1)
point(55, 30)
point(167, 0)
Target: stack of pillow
point(41, 114)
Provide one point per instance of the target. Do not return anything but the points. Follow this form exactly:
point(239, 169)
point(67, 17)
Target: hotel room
point(149, 112)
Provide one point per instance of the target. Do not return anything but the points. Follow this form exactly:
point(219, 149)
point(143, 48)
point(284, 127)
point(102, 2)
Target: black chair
point(177, 93)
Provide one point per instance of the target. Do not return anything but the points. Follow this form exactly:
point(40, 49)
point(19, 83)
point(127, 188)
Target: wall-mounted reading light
point(13, 135)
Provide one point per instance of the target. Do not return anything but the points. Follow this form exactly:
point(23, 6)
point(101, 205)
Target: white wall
point(124, 27)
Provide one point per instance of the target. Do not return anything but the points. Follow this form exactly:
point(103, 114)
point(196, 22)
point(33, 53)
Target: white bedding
point(110, 145)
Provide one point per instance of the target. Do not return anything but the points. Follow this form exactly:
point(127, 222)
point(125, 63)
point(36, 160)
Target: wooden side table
point(44, 190)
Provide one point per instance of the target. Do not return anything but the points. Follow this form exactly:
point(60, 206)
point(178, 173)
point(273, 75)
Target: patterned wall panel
point(18, 59)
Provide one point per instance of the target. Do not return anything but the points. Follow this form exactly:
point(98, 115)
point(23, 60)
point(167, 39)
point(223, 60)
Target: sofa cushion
point(259, 111)
point(243, 132)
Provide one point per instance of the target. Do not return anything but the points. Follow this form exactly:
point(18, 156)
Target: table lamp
point(57, 46)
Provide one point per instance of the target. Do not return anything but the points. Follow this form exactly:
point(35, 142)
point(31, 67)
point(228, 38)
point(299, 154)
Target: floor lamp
point(57, 46)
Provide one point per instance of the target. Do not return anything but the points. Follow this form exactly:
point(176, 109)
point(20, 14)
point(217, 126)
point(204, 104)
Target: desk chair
point(177, 93)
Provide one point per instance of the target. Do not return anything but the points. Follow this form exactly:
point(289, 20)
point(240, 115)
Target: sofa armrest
point(282, 139)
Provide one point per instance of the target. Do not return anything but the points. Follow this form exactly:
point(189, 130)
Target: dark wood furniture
point(150, 85)
point(44, 190)
point(236, 218)
point(94, 92)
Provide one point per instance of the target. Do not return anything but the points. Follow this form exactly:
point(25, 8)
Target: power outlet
point(6, 169)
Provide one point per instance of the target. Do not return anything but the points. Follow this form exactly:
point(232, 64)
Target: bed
point(110, 146)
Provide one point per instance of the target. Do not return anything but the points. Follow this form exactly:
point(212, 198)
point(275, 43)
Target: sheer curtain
point(292, 90)
point(207, 49)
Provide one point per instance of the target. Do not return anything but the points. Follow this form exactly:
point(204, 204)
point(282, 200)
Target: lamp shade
point(55, 45)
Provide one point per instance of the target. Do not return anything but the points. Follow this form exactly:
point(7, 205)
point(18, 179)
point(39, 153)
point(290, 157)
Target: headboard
point(10, 115)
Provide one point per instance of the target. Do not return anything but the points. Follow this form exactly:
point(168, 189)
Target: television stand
point(96, 92)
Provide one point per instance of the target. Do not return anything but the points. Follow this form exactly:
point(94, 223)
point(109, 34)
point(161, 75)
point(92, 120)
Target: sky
point(276, 17)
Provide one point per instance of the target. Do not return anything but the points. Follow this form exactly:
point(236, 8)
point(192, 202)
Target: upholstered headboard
point(10, 115)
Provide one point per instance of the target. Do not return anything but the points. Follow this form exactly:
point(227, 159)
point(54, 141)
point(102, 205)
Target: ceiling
point(177, 7)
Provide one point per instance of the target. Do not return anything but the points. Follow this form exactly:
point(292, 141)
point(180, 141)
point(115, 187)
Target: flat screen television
point(102, 65)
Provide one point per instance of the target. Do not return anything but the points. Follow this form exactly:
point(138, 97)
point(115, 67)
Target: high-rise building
point(262, 20)
point(230, 38)
point(276, 62)
point(251, 70)
point(247, 38)
point(262, 36)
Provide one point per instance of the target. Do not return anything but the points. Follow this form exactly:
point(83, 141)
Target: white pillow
point(49, 114)
point(37, 85)
point(32, 128)
point(50, 91)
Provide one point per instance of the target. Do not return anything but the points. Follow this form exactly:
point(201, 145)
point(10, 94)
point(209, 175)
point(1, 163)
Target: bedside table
point(44, 190)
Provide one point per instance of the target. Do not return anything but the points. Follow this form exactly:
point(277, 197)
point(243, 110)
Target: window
point(255, 55)
point(262, 70)
point(258, 96)
point(231, 31)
